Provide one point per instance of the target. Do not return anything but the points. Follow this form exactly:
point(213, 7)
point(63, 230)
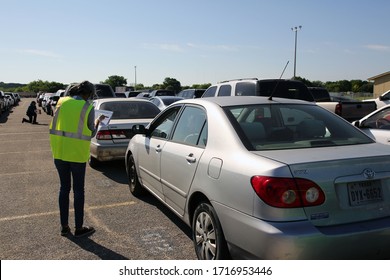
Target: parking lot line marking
point(21, 217)
point(21, 133)
point(25, 152)
point(27, 141)
point(26, 172)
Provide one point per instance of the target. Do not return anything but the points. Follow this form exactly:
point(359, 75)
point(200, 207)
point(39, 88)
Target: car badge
point(368, 173)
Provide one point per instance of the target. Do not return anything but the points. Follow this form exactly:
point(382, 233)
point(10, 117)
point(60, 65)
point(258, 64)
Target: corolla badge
point(368, 173)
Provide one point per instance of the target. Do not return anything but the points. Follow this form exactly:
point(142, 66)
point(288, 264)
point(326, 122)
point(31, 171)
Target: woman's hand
point(99, 120)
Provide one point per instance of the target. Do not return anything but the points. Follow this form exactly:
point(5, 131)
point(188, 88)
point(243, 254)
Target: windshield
point(291, 126)
point(131, 110)
point(284, 89)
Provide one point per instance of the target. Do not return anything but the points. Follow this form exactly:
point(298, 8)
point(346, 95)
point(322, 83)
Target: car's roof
point(169, 97)
point(119, 99)
point(243, 100)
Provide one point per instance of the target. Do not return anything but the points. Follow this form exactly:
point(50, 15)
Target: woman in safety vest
point(71, 129)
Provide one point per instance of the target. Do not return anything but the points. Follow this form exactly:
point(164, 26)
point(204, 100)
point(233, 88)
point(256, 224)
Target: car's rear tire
point(207, 234)
point(93, 162)
point(135, 186)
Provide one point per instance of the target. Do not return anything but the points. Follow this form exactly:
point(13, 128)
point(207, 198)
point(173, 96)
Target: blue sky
point(195, 42)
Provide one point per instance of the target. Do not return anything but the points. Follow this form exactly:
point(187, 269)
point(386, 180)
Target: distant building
point(381, 83)
point(123, 89)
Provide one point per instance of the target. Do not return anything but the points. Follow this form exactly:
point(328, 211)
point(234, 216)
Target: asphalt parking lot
point(127, 228)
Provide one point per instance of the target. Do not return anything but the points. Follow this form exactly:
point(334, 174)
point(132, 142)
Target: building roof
point(379, 76)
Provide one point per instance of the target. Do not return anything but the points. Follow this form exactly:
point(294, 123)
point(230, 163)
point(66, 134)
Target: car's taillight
point(338, 109)
point(287, 192)
point(110, 134)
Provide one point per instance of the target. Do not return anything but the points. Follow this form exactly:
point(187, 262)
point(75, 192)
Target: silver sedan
point(266, 179)
point(111, 140)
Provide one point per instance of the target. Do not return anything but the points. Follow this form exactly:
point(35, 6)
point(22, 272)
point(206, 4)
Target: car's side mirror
point(139, 129)
point(383, 98)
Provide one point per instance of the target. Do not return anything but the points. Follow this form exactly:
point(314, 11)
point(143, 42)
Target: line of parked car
point(8, 100)
point(256, 177)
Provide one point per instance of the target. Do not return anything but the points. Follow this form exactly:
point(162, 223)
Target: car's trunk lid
point(120, 131)
point(355, 180)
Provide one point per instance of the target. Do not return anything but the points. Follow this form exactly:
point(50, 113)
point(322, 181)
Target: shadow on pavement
point(100, 251)
point(114, 170)
point(150, 199)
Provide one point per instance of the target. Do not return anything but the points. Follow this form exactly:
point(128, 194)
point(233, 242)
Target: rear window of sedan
point(291, 126)
point(131, 110)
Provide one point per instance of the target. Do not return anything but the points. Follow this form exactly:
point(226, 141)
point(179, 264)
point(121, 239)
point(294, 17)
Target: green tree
point(303, 80)
point(172, 84)
point(201, 86)
point(116, 81)
point(44, 86)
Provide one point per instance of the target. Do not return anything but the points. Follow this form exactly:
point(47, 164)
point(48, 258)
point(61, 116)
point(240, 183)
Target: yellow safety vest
point(70, 136)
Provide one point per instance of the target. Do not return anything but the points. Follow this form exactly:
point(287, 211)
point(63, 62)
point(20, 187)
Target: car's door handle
point(158, 149)
point(190, 158)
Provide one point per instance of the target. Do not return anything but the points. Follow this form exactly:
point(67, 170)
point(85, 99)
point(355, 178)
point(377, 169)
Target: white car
point(377, 125)
point(382, 100)
point(111, 140)
point(266, 179)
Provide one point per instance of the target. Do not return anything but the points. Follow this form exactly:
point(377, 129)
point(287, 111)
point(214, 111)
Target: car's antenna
point(270, 97)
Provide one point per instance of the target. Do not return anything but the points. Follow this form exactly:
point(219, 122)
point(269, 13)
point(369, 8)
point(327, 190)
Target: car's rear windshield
point(284, 89)
point(291, 126)
point(104, 91)
point(131, 110)
point(320, 94)
point(165, 93)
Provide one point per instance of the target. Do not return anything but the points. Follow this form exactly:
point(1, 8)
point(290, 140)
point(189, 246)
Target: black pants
point(32, 118)
point(67, 172)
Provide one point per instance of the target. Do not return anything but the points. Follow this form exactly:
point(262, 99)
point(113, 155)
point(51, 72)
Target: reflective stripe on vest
point(79, 133)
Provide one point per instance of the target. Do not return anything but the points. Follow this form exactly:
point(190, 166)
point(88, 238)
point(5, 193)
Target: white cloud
point(378, 47)
point(165, 47)
point(40, 53)
point(213, 47)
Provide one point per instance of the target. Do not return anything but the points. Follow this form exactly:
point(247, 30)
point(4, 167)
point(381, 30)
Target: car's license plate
point(364, 192)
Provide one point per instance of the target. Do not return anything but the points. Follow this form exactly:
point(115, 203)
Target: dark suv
point(101, 91)
point(191, 93)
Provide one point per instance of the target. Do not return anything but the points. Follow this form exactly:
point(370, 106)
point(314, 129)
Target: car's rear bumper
point(108, 152)
point(249, 237)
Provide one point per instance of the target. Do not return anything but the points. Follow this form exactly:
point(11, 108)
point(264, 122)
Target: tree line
point(114, 81)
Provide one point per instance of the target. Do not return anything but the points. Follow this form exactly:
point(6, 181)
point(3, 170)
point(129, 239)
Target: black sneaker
point(84, 231)
point(65, 230)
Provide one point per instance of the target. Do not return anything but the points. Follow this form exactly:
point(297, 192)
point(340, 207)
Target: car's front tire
point(207, 234)
point(135, 186)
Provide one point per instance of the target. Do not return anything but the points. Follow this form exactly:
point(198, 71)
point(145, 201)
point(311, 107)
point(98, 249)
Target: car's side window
point(380, 120)
point(245, 89)
point(210, 92)
point(225, 90)
point(191, 128)
point(163, 126)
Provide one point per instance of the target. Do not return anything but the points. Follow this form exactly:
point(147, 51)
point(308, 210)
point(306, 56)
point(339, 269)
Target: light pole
point(295, 29)
point(135, 78)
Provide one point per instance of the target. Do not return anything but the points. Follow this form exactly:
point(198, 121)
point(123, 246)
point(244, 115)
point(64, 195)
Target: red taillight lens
point(338, 109)
point(287, 192)
point(103, 135)
point(110, 134)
